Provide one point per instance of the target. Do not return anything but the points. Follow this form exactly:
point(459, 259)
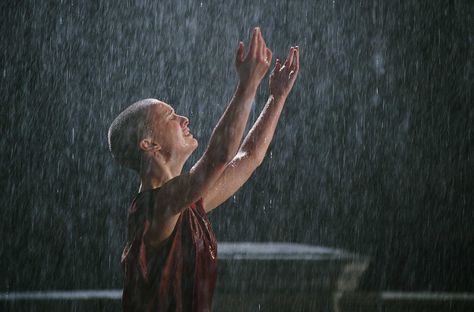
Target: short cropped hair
point(126, 131)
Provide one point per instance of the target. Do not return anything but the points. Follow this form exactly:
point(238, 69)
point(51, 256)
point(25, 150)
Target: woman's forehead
point(162, 108)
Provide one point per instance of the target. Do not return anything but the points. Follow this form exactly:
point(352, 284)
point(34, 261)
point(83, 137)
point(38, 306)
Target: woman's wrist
point(246, 88)
point(277, 97)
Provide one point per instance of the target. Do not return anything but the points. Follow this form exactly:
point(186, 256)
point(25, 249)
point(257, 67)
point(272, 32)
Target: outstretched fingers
point(268, 56)
point(294, 67)
point(263, 47)
point(297, 59)
point(289, 59)
point(295, 62)
point(277, 66)
point(239, 56)
point(254, 44)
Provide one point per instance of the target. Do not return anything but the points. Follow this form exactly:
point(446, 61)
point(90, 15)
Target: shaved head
point(127, 130)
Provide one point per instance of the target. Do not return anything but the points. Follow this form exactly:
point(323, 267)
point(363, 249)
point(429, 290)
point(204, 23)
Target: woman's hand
point(254, 66)
point(283, 76)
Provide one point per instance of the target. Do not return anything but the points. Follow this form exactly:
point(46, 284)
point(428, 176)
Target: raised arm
point(181, 191)
point(227, 135)
point(257, 141)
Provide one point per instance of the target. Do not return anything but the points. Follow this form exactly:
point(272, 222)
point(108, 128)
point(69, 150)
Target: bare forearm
point(258, 139)
point(281, 82)
point(227, 134)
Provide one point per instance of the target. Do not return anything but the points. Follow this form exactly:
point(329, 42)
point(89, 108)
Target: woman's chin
point(196, 143)
point(192, 145)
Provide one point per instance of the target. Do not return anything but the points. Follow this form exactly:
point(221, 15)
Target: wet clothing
point(179, 275)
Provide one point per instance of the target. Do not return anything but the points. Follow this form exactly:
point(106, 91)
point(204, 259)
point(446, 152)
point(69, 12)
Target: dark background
point(373, 152)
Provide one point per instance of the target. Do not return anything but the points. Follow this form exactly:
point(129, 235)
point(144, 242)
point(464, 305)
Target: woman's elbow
point(256, 158)
point(259, 159)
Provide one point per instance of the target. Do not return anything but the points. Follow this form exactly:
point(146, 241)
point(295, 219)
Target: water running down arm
point(227, 134)
point(181, 191)
point(257, 141)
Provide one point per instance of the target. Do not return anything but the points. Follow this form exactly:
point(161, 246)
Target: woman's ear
point(148, 145)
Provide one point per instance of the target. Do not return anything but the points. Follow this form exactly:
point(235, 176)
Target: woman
point(170, 258)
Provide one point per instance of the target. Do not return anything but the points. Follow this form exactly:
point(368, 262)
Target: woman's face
point(171, 131)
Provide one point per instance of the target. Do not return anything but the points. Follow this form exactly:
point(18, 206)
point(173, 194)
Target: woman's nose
point(184, 121)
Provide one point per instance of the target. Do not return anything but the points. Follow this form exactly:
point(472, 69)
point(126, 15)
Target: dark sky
point(373, 152)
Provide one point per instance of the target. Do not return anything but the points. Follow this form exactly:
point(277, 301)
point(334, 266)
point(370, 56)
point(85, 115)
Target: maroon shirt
point(179, 275)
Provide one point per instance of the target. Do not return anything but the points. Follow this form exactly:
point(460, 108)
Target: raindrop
point(376, 98)
point(379, 63)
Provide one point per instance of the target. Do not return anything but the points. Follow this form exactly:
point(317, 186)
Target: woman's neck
point(157, 175)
